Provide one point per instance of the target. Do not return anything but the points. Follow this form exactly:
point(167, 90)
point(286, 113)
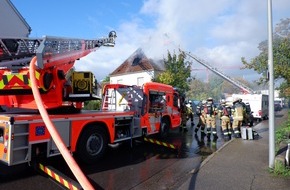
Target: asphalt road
point(143, 166)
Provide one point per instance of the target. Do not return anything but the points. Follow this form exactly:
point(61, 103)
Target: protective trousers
point(191, 119)
point(183, 121)
point(211, 125)
point(237, 123)
point(201, 124)
point(226, 126)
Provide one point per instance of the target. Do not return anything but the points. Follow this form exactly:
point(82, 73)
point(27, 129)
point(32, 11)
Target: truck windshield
point(157, 101)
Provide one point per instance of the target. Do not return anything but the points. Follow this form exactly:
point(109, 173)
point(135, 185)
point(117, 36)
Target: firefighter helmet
point(210, 99)
point(236, 100)
point(223, 102)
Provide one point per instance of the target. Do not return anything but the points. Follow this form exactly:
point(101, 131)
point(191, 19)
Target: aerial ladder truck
point(24, 136)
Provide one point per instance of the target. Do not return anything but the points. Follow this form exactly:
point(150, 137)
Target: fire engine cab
point(155, 106)
point(127, 112)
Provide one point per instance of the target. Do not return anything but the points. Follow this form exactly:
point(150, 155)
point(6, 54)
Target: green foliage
point(177, 72)
point(281, 170)
point(198, 90)
point(281, 55)
point(92, 105)
point(216, 88)
point(282, 135)
point(106, 79)
point(283, 132)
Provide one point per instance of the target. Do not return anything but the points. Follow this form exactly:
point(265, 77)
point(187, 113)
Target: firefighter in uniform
point(211, 112)
point(201, 117)
point(225, 115)
point(238, 113)
point(183, 111)
point(190, 112)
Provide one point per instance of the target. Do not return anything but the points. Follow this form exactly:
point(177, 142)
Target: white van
point(279, 101)
point(259, 104)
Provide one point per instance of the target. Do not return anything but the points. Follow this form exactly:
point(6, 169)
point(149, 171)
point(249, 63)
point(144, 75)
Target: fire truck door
point(176, 118)
point(63, 128)
point(175, 113)
point(156, 107)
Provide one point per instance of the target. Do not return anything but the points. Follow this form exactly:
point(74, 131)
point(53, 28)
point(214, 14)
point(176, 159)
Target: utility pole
point(271, 88)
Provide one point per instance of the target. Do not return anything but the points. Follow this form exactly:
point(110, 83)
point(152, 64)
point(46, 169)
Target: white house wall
point(132, 79)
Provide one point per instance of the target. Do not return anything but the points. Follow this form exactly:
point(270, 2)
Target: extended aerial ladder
point(238, 84)
point(55, 57)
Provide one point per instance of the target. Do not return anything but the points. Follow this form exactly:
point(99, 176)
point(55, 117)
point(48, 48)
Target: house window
point(140, 81)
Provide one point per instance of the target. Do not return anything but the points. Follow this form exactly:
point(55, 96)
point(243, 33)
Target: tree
point(217, 88)
point(198, 90)
point(106, 79)
point(177, 72)
point(281, 56)
point(92, 105)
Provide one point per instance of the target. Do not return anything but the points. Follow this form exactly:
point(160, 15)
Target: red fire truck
point(127, 112)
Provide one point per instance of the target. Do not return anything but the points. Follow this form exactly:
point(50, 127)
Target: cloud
point(220, 32)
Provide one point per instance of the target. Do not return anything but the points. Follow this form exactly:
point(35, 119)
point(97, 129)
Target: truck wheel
point(92, 144)
point(164, 128)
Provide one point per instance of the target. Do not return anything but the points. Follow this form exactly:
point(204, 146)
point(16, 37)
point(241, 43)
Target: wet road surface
point(144, 166)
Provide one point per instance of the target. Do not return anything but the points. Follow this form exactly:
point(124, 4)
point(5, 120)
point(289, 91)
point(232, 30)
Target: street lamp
point(271, 88)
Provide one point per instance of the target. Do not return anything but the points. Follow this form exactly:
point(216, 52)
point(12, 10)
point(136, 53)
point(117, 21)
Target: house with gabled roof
point(136, 70)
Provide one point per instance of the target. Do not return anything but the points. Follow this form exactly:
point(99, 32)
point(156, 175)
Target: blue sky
point(220, 32)
point(84, 19)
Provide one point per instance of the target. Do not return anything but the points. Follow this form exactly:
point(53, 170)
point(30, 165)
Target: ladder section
point(109, 101)
point(224, 76)
point(17, 52)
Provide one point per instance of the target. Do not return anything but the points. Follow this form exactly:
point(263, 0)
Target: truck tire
point(164, 128)
point(92, 144)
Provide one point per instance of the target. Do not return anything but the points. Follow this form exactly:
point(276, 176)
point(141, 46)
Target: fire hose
point(54, 133)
